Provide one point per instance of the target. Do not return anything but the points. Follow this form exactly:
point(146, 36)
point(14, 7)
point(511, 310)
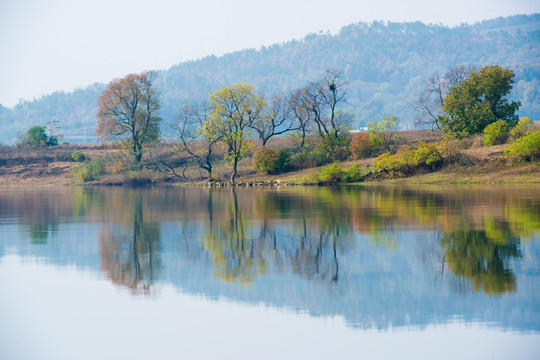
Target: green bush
point(334, 174)
point(397, 165)
point(271, 161)
point(383, 131)
point(88, 171)
point(329, 174)
point(407, 160)
point(526, 147)
point(363, 145)
point(332, 148)
point(495, 133)
point(329, 149)
point(37, 136)
point(427, 155)
point(78, 156)
point(353, 174)
point(304, 159)
point(523, 126)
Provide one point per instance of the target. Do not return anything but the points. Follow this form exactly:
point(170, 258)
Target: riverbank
point(54, 166)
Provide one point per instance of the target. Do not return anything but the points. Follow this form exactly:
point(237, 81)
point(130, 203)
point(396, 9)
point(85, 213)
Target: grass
point(53, 166)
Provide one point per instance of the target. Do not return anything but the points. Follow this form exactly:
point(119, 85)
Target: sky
point(61, 45)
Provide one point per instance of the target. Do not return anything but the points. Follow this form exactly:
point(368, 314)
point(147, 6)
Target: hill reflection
point(379, 256)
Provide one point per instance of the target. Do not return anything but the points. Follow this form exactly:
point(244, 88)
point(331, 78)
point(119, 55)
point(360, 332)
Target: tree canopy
point(233, 109)
point(478, 101)
point(127, 111)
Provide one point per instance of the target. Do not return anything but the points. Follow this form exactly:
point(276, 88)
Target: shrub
point(332, 148)
point(523, 126)
point(329, 174)
point(526, 147)
point(88, 171)
point(329, 149)
point(306, 158)
point(363, 145)
point(37, 136)
point(397, 165)
point(495, 133)
point(270, 160)
point(407, 160)
point(384, 130)
point(78, 156)
point(334, 173)
point(353, 174)
point(427, 154)
point(283, 161)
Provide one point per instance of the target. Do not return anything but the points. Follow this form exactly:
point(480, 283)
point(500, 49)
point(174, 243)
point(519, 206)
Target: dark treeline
point(386, 64)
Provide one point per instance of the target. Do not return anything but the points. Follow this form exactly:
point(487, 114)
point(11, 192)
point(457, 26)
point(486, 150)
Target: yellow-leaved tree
point(233, 109)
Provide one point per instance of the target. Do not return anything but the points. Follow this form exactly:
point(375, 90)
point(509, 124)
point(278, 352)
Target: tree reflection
point(256, 231)
point(236, 254)
point(483, 257)
point(130, 251)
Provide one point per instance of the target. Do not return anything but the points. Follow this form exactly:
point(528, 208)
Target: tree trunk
point(235, 167)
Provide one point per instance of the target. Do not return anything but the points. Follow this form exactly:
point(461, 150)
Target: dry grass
point(44, 166)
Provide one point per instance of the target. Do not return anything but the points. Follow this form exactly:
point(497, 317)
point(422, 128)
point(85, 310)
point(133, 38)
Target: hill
point(386, 64)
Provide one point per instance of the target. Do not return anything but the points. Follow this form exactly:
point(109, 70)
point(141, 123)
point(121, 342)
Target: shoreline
point(526, 174)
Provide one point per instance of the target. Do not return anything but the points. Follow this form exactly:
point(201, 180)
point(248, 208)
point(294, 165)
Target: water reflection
point(383, 255)
point(130, 249)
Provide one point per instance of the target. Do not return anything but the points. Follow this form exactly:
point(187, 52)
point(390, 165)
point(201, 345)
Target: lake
point(379, 272)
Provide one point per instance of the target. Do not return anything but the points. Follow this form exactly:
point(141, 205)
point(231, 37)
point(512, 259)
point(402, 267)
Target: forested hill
point(386, 64)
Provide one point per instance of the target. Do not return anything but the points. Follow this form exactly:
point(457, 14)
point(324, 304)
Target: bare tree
point(437, 86)
point(190, 120)
point(333, 89)
point(320, 99)
point(302, 115)
point(277, 119)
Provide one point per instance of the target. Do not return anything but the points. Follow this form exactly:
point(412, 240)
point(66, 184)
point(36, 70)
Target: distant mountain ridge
point(386, 64)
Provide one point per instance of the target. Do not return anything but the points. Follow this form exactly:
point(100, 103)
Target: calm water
point(319, 273)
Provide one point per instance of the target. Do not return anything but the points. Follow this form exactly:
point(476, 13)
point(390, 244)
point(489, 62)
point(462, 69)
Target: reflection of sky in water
point(350, 264)
point(71, 314)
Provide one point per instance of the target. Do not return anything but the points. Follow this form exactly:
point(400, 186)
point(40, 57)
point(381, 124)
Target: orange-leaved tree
point(127, 111)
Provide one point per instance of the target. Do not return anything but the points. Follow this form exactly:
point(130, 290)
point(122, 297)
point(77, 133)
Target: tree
point(52, 127)
point(233, 109)
point(127, 111)
point(276, 120)
point(430, 103)
point(483, 258)
point(320, 99)
point(190, 127)
point(37, 135)
point(479, 101)
point(384, 130)
point(302, 115)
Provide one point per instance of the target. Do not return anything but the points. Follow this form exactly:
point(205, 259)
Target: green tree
point(482, 256)
point(384, 130)
point(233, 109)
point(127, 111)
point(480, 100)
point(37, 135)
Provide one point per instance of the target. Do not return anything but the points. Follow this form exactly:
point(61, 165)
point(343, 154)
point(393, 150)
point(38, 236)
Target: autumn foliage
point(127, 112)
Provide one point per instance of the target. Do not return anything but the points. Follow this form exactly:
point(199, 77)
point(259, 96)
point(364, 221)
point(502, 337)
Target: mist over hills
point(385, 63)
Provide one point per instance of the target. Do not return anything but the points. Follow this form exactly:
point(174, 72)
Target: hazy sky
point(49, 45)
